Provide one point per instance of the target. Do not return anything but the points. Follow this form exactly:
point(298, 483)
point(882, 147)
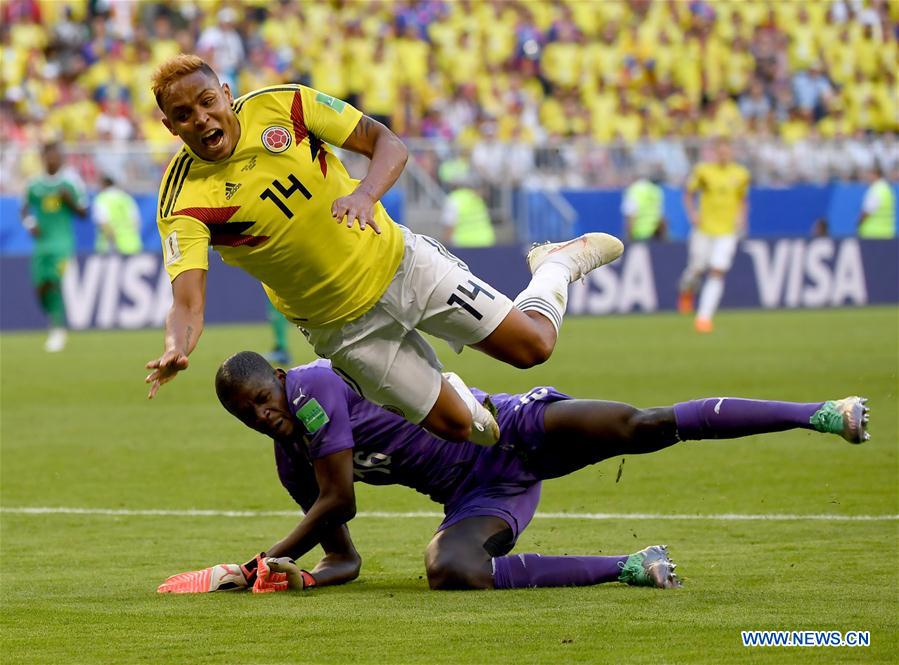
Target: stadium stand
point(584, 91)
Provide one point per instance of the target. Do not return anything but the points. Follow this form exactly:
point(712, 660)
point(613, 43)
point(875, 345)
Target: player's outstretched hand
point(165, 368)
point(267, 579)
point(357, 206)
point(222, 577)
point(297, 579)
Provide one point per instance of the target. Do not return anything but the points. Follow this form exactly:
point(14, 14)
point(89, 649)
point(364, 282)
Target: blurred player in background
point(465, 217)
point(878, 215)
point(723, 188)
point(643, 209)
point(280, 353)
point(117, 217)
point(51, 203)
point(256, 181)
point(327, 437)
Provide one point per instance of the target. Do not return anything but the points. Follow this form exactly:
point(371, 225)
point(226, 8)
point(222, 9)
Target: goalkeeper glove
point(268, 580)
point(296, 578)
point(223, 577)
point(268, 574)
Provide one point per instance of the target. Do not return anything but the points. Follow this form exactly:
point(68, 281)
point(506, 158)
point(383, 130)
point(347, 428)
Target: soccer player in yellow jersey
point(723, 187)
point(257, 181)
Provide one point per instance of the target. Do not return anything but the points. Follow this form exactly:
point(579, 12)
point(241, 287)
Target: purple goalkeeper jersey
point(389, 450)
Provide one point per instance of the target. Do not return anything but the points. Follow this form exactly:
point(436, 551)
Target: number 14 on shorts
point(469, 295)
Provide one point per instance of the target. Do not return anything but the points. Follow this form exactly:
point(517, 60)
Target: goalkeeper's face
point(261, 404)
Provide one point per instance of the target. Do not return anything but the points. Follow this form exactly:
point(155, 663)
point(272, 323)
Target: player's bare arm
point(29, 222)
point(690, 206)
point(69, 200)
point(388, 156)
point(335, 505)
point(341, 562)
point(183, 327)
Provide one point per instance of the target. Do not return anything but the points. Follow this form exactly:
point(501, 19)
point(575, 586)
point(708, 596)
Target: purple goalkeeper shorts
point(515, 504)
point(501, 483)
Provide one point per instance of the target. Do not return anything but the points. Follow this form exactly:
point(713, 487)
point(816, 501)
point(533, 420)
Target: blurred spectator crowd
point(587, 90)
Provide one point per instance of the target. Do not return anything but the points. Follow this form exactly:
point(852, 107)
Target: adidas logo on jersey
point(230, 188)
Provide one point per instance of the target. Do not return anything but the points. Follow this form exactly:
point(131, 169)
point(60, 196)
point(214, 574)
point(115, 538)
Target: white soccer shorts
point(383, 357)
point(710, 252)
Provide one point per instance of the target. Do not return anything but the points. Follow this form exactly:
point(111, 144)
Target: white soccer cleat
point(581, 255)
point(56, 340)
point(484, 428)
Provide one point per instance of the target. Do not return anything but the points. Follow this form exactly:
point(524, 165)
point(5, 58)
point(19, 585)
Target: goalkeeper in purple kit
point(326, 437)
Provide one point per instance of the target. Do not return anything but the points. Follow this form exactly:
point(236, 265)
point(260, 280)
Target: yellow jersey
point(722, 190)
point(267, 209)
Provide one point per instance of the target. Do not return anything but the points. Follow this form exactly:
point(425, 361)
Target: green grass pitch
point(78, 432)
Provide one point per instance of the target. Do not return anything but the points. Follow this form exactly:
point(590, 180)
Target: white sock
point(710, 297)
point(547, 293)
point(484, 428)
point(463, 391)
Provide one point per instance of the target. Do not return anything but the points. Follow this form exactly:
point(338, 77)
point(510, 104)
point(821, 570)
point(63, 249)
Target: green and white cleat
point(650, 567)
point(581, 255)
point(847, 417)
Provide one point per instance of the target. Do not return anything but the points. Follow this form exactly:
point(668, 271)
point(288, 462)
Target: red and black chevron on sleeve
point(222, 231)
point(300, 132)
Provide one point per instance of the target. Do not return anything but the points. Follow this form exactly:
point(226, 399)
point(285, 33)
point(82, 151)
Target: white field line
point(724, 517)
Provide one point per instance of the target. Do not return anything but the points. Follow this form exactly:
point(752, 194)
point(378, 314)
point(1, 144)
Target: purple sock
point(730, 417)
point(520, 571)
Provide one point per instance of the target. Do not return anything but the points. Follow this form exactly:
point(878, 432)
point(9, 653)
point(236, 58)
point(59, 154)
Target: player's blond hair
point(175, 68)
